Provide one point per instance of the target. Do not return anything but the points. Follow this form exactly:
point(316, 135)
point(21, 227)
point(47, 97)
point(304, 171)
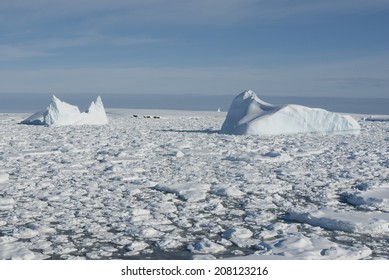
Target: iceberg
point(249, 115)
point(61, 113)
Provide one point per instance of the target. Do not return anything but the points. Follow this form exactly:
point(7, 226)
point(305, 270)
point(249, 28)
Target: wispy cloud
point(12, 52)
point(178, 11)
point(42, 28)
point(49, 46)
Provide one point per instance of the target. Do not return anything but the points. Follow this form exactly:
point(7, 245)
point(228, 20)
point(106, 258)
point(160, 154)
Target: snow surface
point(61, 113)
point(365, 223)
point(174, 188)
point(189, 192)
point(250, 115)
point(300, 247)
point(374, 198)
point(3, 177)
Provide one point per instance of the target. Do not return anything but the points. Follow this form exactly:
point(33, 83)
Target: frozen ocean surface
point(160, 184)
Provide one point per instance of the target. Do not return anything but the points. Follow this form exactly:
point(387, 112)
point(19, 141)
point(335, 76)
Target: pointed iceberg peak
point(54, 100)
point(96, 105)
point(248, 94)
point(98, 102)
point(61, 113)
point(96, 112)
point(58, 103)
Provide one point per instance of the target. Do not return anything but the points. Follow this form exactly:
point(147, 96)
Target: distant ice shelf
point(249, 115)
point(377, 118)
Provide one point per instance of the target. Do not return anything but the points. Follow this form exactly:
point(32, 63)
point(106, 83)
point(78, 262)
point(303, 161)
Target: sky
point(212, 47)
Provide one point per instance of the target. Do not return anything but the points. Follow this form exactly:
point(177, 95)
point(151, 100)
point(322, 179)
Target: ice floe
point(61, 113)
point(6, 203)
point(190, 192)
point(4, 177)
point(374, 223)
point(205, 246)
point(250, 115)
point(233, 233)
point(10, 249)
point(374, 198)
point(299, 246)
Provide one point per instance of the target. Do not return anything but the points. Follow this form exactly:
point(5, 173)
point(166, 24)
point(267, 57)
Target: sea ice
point(190, 192)
point(299, 246)
point(205, 246)
point(124, 191)
point(356, 222)
point(11, 249)
point(231, 191)
point(376, 198)
point(240, 236)
point(4, 177)
point(26, 233)
point(135, 248)
point(251, 116)
point(6, 203)
point(237, 233)
point(168, 244)
point(61, 113)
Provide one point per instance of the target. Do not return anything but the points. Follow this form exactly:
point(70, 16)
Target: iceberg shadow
point(205, 131)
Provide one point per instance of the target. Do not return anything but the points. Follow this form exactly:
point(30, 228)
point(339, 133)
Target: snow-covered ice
point(61, 113)
point(189, 191)
point(205, 246)
point(6, 203)
point(373, 223)
point(3, 177)
point(301, 247)
point(250, 115)
point(375, 198)
point(173, 187)
point(10, 249)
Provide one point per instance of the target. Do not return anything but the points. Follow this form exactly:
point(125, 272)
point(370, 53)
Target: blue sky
point(278, 47)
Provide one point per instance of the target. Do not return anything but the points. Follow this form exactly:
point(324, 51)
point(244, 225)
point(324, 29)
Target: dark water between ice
point(27, 103)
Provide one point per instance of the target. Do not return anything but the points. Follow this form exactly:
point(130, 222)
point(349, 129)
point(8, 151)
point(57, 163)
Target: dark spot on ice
point(206, 131)
point(361, 186)
point(271, 154)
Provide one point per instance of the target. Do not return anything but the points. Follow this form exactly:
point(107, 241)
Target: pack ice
point(61, 113)
point(251, 116)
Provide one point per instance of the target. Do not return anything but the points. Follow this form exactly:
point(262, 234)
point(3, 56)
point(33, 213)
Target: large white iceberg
point(61, 113)
point(250, 115)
